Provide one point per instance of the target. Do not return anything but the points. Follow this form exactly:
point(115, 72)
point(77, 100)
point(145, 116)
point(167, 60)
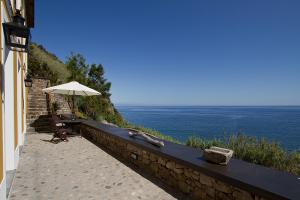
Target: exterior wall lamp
point(28, 81)
point(16, 33)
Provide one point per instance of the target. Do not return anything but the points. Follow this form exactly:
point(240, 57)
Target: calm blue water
point(275, 123)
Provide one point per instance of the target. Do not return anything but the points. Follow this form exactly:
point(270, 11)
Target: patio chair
point(59, 129)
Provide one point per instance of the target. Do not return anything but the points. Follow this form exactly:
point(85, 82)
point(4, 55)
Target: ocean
point(279, 123)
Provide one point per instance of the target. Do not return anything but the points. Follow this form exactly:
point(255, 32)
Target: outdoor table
point(71, 122)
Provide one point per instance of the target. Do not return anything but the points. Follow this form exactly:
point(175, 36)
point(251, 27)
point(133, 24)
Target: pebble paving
point(74, 170)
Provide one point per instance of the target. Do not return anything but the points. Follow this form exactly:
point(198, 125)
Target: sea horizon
point(201, 105)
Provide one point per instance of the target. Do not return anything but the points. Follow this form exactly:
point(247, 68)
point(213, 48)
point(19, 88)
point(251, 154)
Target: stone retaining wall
point(64, 107)
point(195, 184)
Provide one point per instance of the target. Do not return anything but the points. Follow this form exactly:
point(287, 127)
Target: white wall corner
point(3, 189)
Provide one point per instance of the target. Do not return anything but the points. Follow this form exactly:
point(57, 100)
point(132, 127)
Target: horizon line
point(204, 105)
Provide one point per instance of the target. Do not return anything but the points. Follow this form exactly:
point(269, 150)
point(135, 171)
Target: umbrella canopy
point(72, 88)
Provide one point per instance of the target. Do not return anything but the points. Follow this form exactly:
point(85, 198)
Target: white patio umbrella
point(73, 88)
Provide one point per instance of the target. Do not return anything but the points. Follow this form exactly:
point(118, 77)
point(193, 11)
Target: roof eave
point(29, 6)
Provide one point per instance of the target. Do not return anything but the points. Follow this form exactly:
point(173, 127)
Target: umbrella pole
point(73, 110)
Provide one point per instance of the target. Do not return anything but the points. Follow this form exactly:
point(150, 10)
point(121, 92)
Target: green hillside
point(56, 66)
point(44, 64)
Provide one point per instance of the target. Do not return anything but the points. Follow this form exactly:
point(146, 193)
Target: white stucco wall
point(11, 154)
point(3, 189)
point(9, 112)
point(3, 181)
point(19, 101)
point(25, 93)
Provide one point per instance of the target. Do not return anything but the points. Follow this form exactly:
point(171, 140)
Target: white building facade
point(13, 93)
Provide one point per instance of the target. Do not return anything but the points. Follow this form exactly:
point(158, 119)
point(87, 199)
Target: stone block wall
point(195, 184)
point(39, 103)
point(37, 99)
point(39, 106)
point(64, 107)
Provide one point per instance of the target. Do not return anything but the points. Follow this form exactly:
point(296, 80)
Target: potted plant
point(54, 107)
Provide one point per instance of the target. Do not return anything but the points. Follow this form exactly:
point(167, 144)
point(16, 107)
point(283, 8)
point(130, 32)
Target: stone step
point(44, 127)
point(34, 118)
point(38, 123)
point(40, 128)
point(37, 109)
point(37, 105)
point(31, 115)
point(40, 101)
point(34, 132)
point(30, 129)
point(45, 116)
point(31, 132)
point(37, 95)
point(37, 100)
point(44, 130)
point(37, 112)
point(31, 118)
point(39, 92)
point(41, 117)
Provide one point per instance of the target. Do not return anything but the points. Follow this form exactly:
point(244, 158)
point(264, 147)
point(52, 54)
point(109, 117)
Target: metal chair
point(59, 129)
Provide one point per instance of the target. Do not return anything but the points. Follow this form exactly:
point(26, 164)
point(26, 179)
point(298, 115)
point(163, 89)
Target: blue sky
point(175, 52)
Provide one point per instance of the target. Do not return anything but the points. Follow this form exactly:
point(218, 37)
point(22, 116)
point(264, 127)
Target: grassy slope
point(53, 62)
point(60, 69)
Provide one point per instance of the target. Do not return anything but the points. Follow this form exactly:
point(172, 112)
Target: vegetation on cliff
point(43, 64)
point(95, 107)
point(255, 150)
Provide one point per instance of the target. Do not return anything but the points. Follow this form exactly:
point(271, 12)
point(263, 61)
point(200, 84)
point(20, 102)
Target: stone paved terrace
point(77, 169)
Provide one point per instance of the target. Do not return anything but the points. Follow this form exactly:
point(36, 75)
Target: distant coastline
point(179, 105)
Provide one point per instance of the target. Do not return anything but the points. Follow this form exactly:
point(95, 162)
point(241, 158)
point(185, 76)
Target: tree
point(77, 67)
point(96, 107)
point(97, 80)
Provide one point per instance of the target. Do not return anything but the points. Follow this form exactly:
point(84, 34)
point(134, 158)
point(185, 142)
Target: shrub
point(80, 115)
point(99, 118)
point(255, 150)
point(151, 132)
point(198, 142)
point(55, 107)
